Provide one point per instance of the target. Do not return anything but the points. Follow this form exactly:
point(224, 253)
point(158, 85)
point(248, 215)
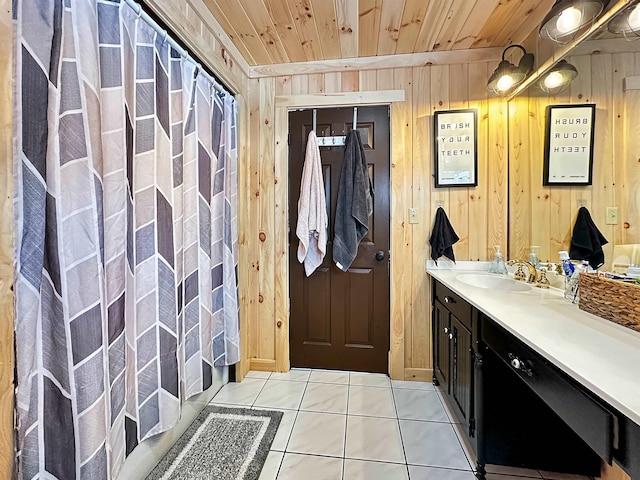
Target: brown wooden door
point(340, 320)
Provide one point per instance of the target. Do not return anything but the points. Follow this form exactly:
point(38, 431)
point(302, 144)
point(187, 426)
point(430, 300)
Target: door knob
point(379, 255)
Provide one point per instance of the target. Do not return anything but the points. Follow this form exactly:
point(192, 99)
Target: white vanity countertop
point(599, 354)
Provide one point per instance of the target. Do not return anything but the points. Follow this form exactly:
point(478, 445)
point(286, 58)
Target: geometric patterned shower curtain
point(126, 235)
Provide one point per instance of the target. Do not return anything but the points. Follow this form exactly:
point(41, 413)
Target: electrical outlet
point(612, 216)
point(413, 215)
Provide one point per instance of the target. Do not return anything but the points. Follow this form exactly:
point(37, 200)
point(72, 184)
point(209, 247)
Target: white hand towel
point(311, 228)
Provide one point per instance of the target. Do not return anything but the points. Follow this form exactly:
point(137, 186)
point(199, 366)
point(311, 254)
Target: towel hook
point(582, 203)
point(314, 120)
point(355, 117)
point(439, 204)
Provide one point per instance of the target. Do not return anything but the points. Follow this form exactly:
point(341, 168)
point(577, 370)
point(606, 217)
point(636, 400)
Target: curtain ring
point(166, 34)
point(139, 12)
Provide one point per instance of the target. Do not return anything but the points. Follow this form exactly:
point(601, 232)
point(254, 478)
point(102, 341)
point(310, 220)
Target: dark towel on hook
point(355, 202)
point(586, 240)
point(442, 237)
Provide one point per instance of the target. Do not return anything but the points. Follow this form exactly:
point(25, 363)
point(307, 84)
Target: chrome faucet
point(520, 274)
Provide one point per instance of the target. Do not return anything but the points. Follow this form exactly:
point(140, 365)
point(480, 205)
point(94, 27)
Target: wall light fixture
point(558, 78)
point(627, 22)
point(567, 17)
point(507, 76)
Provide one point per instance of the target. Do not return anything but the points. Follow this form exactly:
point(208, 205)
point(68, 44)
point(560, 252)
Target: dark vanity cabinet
point(453, 353)
point(515, 407)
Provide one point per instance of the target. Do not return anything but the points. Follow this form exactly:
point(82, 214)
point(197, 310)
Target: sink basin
point(493, 282)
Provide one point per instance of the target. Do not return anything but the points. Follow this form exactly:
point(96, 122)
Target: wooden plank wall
point(478, 214)
point(6, 242)
point(545, 216)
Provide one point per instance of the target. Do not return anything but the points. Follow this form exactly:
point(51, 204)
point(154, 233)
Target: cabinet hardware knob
point(448, 299)
point(451, 336)
point(446, 330)
point(516, 363)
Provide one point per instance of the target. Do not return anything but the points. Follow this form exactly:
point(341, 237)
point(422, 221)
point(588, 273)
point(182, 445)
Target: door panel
point(441, 331)
point(338, 319)
point(462, 364)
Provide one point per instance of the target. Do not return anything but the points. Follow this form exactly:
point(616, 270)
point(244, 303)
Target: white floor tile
point(284, 429)
point(257, 374)
point(374, 439)
point(433, 473)
point(271, 466)
point(281, 394)
point(371, 401)
point(295, 374)
point(243, 393)
point(419, 405)
point(458, 429)
point(328, 398)
point(404, 384)
point(447, 410)
point(329, 376)
point(432, 445)
point(369, 379)
point(318, 434)
point(364, 470)
point(309, 467)
point(514, 471)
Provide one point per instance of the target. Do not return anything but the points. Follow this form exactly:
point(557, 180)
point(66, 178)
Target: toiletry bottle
point(498, 265)
point(567, 266)
point(533, 257)
point(575, 278)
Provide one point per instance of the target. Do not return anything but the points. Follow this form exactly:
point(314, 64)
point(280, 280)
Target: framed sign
point(568, 146)
point(456, 148)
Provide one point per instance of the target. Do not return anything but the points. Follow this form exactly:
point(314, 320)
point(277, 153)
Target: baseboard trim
point(418, 374)
point(262, 365)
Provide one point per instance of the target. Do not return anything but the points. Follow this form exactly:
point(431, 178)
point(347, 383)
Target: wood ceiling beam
point(491, 54)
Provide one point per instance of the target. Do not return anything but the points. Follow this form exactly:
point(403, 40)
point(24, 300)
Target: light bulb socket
point(517, 73)
point(588, 9)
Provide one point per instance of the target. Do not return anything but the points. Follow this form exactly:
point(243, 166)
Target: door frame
point(399, 199)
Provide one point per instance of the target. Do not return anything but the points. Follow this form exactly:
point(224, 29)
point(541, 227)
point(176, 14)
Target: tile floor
point(359, 426)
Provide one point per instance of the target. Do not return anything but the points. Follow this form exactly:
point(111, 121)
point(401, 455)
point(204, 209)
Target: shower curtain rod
point(137, 8)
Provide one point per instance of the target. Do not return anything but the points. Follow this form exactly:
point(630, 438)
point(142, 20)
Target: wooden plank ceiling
point(284, 31)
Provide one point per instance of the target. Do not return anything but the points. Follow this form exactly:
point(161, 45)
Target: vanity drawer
point(454, 303)
point(586, 416)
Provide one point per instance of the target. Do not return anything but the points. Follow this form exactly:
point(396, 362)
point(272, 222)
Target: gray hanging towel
point(586, 240)
point(355, 203)
point(443, 236)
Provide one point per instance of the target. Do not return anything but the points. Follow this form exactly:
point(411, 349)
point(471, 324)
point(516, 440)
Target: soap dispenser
point(533, 257)
point(498, 265)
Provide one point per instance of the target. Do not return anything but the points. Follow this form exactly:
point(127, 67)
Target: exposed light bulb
point(569, 20)
point(505, 83)
point(634, 18)
point(553, 80)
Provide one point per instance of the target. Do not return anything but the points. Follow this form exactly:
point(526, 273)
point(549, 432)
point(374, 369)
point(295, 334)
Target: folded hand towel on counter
point(586, 240)
point(443, 236)
point(311, 228)
point(355, 202)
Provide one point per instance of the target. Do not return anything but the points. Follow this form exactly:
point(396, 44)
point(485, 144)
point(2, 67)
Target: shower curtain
point(126, 235)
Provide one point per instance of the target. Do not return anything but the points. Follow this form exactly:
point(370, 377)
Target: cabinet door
point(441, 342)
point(461, 371)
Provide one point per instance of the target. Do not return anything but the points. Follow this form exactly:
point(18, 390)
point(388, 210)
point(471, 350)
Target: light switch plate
point(612, 216)
point(413, 215)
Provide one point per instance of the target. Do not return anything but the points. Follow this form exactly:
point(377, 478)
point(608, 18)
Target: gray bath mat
point(221, 444)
